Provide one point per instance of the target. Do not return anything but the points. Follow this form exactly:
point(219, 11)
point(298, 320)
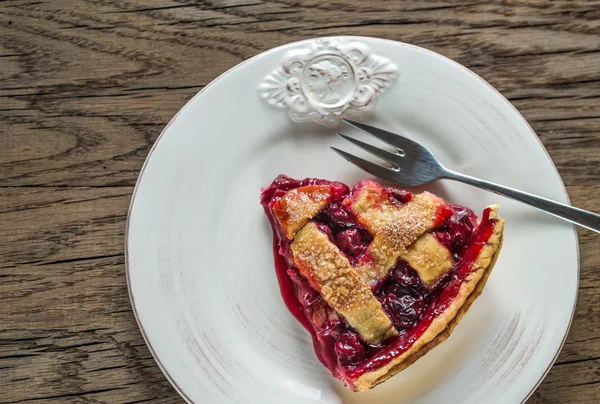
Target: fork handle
point(584, 218)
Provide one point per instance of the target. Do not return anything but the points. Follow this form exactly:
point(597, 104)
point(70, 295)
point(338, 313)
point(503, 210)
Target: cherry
point(312, 181)
point(399, 197)
point(277, 189)
point(351, 242)
point(349, 349)
point(404, 275)
point(405, 306)
point(444, 238)
point(339, 189)
point(285, 183)
point(457, 230)
point(338, 216)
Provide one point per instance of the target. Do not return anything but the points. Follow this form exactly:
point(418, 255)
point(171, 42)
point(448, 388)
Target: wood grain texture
point(86, 87)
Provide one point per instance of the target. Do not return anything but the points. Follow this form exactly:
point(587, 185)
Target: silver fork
point(414, 164)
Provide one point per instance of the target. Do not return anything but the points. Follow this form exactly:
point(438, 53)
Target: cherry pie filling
point(410, 304)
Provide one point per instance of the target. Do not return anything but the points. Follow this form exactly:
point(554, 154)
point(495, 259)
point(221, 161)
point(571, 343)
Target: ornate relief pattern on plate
point(327, 78)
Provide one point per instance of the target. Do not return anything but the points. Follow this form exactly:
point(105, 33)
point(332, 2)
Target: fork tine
point(372, 168)
point(382, 154)
point(390, 138)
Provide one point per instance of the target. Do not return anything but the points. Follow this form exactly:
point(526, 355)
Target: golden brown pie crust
point(429, 258)
point(299, 205)
point(330, 273)
point(394, 228)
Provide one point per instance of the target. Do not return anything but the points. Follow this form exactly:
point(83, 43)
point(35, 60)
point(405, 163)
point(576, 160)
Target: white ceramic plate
point(199, 248)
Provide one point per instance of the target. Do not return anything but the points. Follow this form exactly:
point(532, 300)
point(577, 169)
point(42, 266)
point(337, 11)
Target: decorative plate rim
point(291, 44)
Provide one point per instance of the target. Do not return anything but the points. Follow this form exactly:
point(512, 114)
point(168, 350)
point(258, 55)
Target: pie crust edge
point(473, 287)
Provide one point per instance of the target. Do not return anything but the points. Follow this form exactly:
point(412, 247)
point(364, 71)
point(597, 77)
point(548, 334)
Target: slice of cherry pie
point(378, 276)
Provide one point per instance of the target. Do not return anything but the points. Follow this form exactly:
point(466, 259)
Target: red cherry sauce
point(305, 303)
point(291, 293)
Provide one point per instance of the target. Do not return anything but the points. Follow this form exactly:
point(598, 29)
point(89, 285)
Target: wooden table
point(87, 86)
